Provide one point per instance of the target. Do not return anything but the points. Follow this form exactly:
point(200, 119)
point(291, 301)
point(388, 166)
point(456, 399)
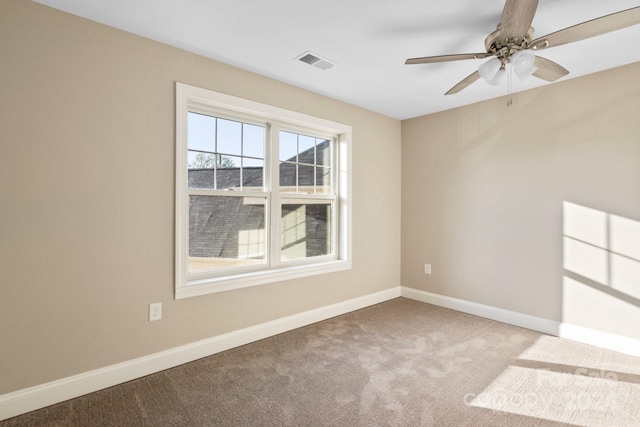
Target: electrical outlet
point(155, 311)
point(427, 269)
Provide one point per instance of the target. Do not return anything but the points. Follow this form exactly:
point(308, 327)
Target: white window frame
point(191, 98)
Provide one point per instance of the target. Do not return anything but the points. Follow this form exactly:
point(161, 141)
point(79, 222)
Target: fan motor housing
point(495, 45)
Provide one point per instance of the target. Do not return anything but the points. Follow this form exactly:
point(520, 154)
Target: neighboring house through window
point(262, 193)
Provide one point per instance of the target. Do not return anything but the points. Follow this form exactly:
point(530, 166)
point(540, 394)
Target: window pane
point(252, 173)
point(253, 141)
point(305, 164)
point(251, 162)
point(306, 230)
point(305, 179)
point(288, 146)
point(306, 149)
point(200, 160)
point(288, 177)
point(200, 170)
point(323, 153)
point(323, 180)
point(228, 174)
point(229, 137)
point(201, 131)
point(225, 232)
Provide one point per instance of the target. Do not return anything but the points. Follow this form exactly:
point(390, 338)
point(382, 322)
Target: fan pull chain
point(509, 87)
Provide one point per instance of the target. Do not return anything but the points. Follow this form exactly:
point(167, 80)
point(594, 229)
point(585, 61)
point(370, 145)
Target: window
point(262, 193)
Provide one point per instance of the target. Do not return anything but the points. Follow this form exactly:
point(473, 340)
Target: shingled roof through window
point(215, 223)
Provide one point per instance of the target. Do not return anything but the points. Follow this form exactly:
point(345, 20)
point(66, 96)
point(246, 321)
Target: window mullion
point(215, 156)
point(336, 209)
point(273, 182)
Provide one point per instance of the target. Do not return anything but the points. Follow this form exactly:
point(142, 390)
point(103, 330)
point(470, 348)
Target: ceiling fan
point(510, 45)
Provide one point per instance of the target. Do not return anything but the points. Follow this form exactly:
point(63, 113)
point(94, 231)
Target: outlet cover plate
point(155, 311)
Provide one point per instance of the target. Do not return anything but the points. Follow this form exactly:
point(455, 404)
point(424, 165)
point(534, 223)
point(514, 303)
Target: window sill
point(228, 283)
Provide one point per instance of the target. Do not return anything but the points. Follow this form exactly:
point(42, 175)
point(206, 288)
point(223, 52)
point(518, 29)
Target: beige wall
point(533, 208)
point(87, 198)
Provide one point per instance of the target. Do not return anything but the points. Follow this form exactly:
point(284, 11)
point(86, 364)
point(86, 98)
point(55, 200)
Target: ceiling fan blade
point(464, 83)
point(592, 28)
point(517, 16)
point(549, 70)
point(445, 58)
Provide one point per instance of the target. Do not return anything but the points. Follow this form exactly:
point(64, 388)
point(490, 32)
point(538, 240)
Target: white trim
point(29, 399)
point(494, 313)
point(602, 339)
point(589, 336)
point(207, 99)
point(191, 98)
point(211, 285)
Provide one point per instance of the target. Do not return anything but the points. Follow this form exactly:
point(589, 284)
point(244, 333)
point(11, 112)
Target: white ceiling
point(369, 40)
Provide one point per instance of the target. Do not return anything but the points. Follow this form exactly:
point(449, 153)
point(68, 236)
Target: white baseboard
point(26, 400)
point(602, 339)
point(593, 337)
point(501, 315)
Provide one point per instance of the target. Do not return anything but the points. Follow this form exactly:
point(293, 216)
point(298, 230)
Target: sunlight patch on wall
point(585, 242)
point(625, 255)
point(586, 260)
point(588, 307)
point(602, 247)
point(601, 258)
point(585, 224)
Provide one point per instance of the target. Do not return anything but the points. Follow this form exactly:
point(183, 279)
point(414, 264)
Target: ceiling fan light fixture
point(515, 34)
point(498, 78)
point(526, 74)
point(524, 63)
point(489, 70)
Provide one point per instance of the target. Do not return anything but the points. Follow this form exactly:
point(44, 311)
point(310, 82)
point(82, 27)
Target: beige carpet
point(400, 363)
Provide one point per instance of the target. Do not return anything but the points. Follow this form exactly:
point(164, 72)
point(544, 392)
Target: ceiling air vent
point(315, 60)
